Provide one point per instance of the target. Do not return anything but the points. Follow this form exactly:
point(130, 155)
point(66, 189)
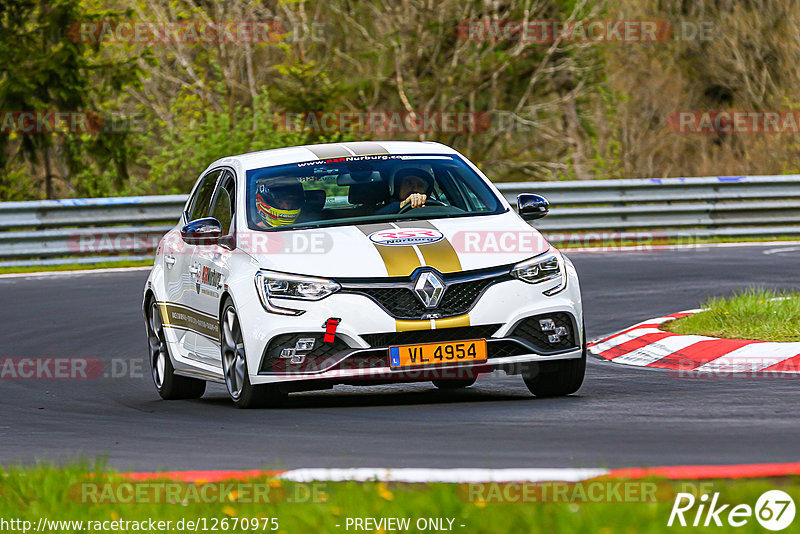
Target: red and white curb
point(645, 345)
point(476, 476)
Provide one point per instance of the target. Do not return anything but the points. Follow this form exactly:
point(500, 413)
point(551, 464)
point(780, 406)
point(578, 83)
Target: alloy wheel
point(233, 356)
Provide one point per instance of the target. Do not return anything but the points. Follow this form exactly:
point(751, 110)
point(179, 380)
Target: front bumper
point(371, 375)
point(361, 356)
point(338, 363)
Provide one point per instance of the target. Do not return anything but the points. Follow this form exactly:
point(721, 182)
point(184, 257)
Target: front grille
point(530, 331)
point(387, 339)
point(402, 303)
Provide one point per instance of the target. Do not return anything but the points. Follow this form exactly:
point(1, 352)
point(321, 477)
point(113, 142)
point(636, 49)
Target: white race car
point(302, 268)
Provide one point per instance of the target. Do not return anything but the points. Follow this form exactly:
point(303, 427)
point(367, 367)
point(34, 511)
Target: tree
point(45, 69)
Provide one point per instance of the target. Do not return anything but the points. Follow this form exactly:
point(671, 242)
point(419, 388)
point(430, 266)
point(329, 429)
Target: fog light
point(288, 353)
point(304, 343)
point(297, 358)
point(547, 325)
point(558, 332)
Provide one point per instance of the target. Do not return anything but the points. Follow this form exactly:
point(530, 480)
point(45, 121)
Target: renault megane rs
point(302, 268)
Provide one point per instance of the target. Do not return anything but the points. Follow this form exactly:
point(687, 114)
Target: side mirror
point(532, 207)
point(202, 232)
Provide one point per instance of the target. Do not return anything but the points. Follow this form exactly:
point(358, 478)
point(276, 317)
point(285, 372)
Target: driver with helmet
point(278, 203)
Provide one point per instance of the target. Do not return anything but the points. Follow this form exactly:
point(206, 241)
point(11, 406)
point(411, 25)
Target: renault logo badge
point(429, 288)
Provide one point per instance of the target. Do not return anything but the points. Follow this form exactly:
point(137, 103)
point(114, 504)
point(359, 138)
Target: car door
point(212, 262)
point(183, 317)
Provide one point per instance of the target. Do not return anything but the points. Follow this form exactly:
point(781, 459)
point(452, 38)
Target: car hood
point(399, 248)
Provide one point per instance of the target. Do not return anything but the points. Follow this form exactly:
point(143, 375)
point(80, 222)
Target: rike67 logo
point(774, 510)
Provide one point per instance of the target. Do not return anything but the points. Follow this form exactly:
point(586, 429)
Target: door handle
point(169, 260)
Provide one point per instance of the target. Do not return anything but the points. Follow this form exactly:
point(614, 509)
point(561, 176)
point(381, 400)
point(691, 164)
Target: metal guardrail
point(689, 208)
point(94, 230)
point(128, 228)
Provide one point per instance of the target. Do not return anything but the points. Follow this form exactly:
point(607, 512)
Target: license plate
point(437, 353)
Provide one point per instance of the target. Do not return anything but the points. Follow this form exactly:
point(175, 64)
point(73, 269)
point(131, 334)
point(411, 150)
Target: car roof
point(296, 154)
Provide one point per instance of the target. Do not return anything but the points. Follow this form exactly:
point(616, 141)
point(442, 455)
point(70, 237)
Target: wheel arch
point(149, 296)
point(226, 295)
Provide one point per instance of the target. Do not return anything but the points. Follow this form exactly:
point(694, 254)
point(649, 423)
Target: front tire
point(169, 385)
point(234, 366)
point(557, 378)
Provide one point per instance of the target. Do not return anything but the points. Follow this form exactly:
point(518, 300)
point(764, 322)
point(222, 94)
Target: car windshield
point(365, 189)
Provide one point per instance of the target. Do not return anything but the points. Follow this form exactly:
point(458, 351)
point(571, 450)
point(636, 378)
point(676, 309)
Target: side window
point(201, 203)
point(224, 203)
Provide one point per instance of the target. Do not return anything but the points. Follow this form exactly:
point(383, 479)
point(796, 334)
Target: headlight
point(542, 269)
point(273, 285)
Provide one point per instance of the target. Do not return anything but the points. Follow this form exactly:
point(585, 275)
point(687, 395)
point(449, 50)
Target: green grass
point(30, 493)
point(757, 314)
point(75, 267)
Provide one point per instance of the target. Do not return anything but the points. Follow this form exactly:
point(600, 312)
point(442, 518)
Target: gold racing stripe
point(425, 324)
point(182, 317)
point(408, 326)
point(402, 261)
point(440, 255)
point(399, 261)
point(452, 322)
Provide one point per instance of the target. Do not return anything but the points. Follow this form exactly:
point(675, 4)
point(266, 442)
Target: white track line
point(451, 476)
point(76, 272)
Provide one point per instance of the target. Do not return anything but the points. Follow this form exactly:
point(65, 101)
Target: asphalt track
point(622, 416)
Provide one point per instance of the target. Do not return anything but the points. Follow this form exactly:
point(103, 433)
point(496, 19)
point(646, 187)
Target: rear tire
point(234, 366)
point(443, 383)
point(557, 378)
point(169, 385)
